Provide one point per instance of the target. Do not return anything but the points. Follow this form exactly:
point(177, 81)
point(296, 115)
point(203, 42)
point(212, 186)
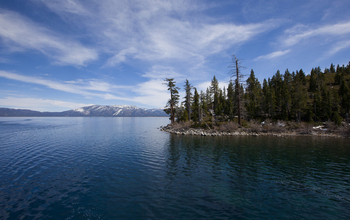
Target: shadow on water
point(273, 177)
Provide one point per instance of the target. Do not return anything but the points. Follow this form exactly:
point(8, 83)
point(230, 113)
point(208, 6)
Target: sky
point(57, 55)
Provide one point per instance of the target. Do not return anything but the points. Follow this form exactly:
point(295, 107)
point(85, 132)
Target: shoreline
point(247, 132)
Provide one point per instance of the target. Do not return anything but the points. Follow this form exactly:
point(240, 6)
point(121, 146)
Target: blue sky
point(57, 55)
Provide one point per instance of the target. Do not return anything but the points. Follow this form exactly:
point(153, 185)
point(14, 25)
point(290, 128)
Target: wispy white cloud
point(155, 31)
point(162, 72)
point(160, 39)
point(48, 83)
point(334, 49)
point(96, 85)
point(39, 104)
point(20, 33)
point(338, 47)
point(332, 9)
point(272, 55)
point(5, 60)
point(121, 56)
point(82, 88)
point(172, 39)
point(67, 6)
point(152, 93)
point(299, 32)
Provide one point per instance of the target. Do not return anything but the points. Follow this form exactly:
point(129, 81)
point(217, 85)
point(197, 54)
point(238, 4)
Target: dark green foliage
point(184, 115)
point(230, 109)
point(313, 81)
point(301, 76)
point(317, 97)
point(336, 118)
point(326, 104)
point(277, 85)
point(214, 89)
point(331, 69)
point(298, 96)
point(219, 109)
point(170, 107)
point(208, 98)
point(203, 102)
point(188, 98)
point(286, 95)
point(268, 99)
point(195, 106)
point(344, 94)
point(337, 78)
point(253, 92)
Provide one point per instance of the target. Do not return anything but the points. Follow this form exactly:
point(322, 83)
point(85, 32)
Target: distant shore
point(242, 131)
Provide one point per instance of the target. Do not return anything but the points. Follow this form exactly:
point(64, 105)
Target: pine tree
point(230, 102)
point(326, 71)
point(253, 96)
point(277, 85)
point(313, 81)
point(337, 78)
point(319, 77)
point(184, 115)
point(179, 113)
point(268, 98)
point(188, 98)
point(335, 101)
point(214, 88)
point(317, 105)
point(301, 76)
point(271, 101)
point(223, 102)
point(195, 106)
point(208, 97)
point(331, 68)
point(286, 94)
point(344, 94)
point(220, 103)
point(203, 102)
point(326, 104)
point(174, 98)
point(299, 95)
point(316, 82)
point(338, 69)
point(216, 103)
point(336, 118)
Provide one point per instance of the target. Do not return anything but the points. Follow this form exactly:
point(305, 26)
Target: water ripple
point(107, 168)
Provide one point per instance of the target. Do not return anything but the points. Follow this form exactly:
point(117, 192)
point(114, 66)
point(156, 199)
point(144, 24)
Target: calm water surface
point(125, 168)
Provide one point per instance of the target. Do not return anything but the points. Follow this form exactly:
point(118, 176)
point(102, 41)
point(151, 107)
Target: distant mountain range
point(89, 111)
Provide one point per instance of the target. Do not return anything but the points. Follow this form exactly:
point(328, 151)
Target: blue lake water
point(125, 168)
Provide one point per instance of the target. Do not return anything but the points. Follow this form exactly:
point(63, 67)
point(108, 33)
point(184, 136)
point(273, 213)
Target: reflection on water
point(264, 177)
point(107, 168)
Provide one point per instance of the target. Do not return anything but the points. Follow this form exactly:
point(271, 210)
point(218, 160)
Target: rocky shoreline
point(242, 132)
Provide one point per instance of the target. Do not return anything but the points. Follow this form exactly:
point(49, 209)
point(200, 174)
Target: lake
point(126, 168)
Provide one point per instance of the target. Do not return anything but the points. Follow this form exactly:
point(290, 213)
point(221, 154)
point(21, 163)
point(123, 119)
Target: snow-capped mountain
point(116, 111)
point(91, 111)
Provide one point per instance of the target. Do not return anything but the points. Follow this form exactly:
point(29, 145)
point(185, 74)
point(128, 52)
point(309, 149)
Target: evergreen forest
point(290, 96)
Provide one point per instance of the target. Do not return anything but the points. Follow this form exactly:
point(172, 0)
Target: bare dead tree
point(235, 71)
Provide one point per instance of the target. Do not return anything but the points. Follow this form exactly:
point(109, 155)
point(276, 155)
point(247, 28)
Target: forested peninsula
point(289, 103)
